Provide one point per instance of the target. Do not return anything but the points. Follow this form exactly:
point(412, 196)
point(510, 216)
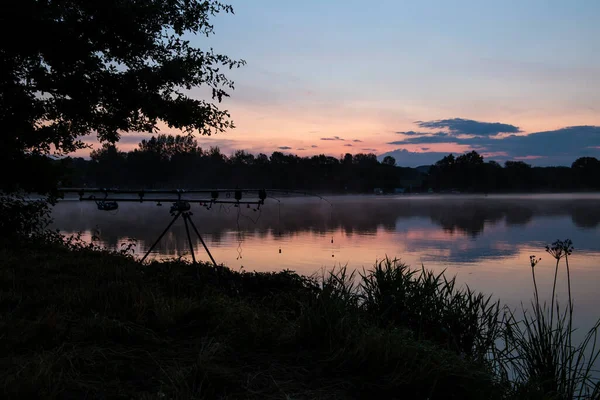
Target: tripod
point(186, 219)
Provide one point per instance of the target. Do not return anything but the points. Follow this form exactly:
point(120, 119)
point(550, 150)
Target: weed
point(540, 357)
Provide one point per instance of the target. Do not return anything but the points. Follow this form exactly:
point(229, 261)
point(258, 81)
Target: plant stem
point(570, 326)
point(553, 292)
point(537, 299)
point(569, 284)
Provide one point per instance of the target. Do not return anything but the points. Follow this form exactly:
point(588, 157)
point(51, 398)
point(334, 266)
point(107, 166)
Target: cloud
point(284, 148)
point(556, 147)
point(301, 148)
point(562, 146)
point(439, 137)
point(425, 148)
point(357, 141)
point(527, 158)
point(348, 145)
point(413, 133)
point(333, 138)
point(469, 127)
point(314, 146)
point(373, 150)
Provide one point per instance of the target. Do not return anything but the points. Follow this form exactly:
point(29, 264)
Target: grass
point(83, 323)
point(78, 323)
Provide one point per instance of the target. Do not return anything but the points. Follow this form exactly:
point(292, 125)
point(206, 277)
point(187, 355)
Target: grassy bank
point(77, 323)
point(85, 323)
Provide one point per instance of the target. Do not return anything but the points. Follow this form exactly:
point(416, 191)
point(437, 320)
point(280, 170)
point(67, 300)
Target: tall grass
point(431, 306)
point(533, 355)
point(540, 357)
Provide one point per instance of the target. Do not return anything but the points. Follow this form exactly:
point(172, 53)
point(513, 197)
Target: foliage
point(167, 161)
point(432, 307)
point(389, 160)
point(76, 322)
point(105, 67)
point(587, 170)
point(23, 219)
point(177, 161)
point(169, 146)
point(469, 172)
point(540, 355)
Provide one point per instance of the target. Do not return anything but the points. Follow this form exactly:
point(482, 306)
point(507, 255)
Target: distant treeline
point(470, 173)
point(168, 161)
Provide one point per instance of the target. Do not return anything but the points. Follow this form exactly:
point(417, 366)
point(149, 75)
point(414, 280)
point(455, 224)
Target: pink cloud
point(528, 157)
point(495, 154)
point(435, 148)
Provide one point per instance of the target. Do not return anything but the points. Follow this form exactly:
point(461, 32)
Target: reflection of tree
point(519, 216)
point(353, 215)
point(469, 218)
point(585, 217)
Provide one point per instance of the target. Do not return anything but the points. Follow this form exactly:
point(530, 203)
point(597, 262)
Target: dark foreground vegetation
point(83, 323)
point(178, 162)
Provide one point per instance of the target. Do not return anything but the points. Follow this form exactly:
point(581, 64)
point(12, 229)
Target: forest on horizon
point(167, 161)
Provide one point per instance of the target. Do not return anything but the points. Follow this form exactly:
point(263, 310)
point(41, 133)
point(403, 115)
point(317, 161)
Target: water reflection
point(449, 232)
point(353, 215)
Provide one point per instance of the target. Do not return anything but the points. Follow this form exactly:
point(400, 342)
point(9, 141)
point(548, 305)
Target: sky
point(413, 79)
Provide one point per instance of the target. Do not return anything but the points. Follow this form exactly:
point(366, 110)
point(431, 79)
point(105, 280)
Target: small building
point(378, 191)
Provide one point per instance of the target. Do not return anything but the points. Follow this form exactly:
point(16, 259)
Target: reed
point(431, 306)
point(539, 356)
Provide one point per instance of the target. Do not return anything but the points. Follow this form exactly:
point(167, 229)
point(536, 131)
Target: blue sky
point(364, 71)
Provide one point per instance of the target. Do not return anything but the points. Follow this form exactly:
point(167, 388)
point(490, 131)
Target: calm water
point(485, 240)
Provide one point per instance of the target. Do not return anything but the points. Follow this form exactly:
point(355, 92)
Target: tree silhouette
point(168, 146)
point(587, 169)
point(177, 162)
point(389, 160)
point(105, 67)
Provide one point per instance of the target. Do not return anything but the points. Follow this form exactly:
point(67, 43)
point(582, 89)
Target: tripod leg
point(187, 231)
point(160, 237)
point(202, 241)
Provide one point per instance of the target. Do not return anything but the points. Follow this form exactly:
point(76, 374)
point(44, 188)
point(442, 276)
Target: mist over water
point(485, 240)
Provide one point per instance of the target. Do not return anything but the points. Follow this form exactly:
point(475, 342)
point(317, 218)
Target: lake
point(485, 241)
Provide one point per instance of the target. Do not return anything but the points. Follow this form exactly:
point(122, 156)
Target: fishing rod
point(181, 194)
point(110, 200)
point(141, 192)
point(181, 204)
point(150, 191)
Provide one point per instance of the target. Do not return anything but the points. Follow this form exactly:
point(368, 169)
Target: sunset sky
point(419, 79)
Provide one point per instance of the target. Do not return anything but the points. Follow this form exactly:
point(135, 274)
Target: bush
point(23, 219)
